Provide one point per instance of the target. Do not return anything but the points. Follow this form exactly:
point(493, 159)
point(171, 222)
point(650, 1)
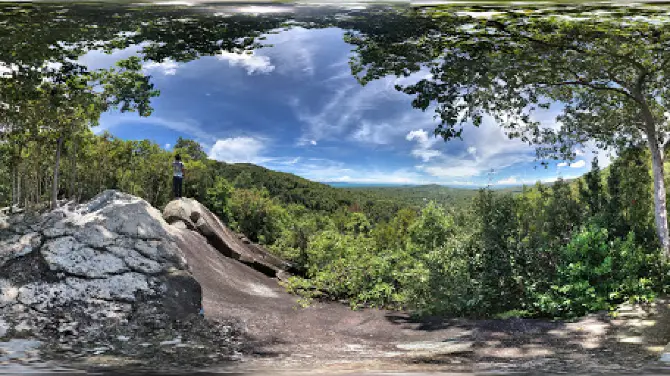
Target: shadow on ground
point(628, 341)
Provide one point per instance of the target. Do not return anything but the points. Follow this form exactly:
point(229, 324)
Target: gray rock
point(136, 261)
point(193, 215)
point(104, 259)
point(17, 246)
point(4, 327)
point(96, 236)
point(48, 296)
point(67, 255)
point(8, 293)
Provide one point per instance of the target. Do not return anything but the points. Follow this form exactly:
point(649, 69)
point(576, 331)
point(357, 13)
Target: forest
point(559, 250)
point(570, 247)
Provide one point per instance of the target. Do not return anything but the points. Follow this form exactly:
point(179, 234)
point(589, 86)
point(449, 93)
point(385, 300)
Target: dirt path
point(333, 338)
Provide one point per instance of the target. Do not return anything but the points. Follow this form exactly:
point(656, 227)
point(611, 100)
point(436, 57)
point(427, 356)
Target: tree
point(591, 190)
point(191, 148)
point(608, 76)
point(218, 198)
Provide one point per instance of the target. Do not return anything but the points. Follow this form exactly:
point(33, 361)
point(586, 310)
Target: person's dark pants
point(176, 186)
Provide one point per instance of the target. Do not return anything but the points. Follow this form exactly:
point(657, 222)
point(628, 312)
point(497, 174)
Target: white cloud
point(487, 148)
point(512, 180)
point(352, 111)
point(420, 135)
point(579, 164)
point(294, 49)
point(237, 150)
point(424, 145)
point(313, 142)
point(167, 146)
point(252, 62)
point(426, 154)
point(562, 164)
point(167, 67)
point(458, 170)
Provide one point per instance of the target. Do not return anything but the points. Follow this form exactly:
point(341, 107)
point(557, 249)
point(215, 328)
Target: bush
point(596, 273)
point(346, 267)
point(257, 216)
point(218, 198)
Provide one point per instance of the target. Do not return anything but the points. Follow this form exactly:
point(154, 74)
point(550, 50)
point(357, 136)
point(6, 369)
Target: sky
point(295, 107)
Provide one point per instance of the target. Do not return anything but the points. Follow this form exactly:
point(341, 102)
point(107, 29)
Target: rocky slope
point(108, 277)
point(188, 214)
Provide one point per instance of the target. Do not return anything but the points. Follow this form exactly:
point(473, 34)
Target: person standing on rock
point(177, 176)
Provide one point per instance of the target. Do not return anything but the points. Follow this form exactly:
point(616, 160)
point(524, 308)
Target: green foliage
point(345, 267)
point(219, 197)
point(597, 272)
point(591, 190)
point(256, 215)
point(190, 149)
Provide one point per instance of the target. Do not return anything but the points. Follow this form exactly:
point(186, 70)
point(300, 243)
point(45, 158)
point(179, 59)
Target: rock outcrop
point(107, 259)
point(186, 213)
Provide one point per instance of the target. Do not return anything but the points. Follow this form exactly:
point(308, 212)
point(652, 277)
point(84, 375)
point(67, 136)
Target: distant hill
point(288, 188)
point(378, 201)
point(418, 195)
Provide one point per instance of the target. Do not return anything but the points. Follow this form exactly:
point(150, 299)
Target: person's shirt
point(178, 169)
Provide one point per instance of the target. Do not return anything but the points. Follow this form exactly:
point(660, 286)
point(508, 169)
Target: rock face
point(186, 213)
point(110, 258)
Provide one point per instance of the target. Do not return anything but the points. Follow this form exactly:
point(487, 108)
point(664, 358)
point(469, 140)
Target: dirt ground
point(331, 338)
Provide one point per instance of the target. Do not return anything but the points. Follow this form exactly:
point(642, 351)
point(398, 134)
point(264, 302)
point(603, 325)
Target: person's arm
point(183, 171)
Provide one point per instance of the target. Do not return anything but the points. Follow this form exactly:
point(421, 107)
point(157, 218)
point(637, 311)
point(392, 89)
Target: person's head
point(177, 157)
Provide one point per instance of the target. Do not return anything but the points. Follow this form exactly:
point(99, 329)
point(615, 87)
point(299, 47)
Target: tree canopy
point(607, 76)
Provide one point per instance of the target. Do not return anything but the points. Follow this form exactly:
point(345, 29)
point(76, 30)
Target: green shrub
point(257, 216)
point(596, 273)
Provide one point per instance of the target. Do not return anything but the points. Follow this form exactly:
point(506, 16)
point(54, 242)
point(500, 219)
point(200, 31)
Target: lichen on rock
point(101, 259)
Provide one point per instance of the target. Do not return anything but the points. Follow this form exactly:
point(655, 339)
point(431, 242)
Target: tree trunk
point(660, 208)
point(12, 202)
point(54, 188)
point(73, 170)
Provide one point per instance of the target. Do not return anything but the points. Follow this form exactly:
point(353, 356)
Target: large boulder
point(186, 213)
point(109, 258)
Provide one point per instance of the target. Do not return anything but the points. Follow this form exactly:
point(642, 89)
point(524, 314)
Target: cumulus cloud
point(167, 67)
point(579, 164)
point(294, 50)
point(252, 62)
point(167, 146)
point(472, 150)
point(237, 150)
point(424, 145)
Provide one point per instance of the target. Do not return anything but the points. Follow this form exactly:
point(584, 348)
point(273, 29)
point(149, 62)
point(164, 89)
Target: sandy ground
point(331, 338)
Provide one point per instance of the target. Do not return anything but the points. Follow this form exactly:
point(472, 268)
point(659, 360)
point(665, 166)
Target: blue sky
point(295, 107)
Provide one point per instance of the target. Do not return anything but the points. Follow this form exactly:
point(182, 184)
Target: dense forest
point(557, 250)
point(553, 251)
